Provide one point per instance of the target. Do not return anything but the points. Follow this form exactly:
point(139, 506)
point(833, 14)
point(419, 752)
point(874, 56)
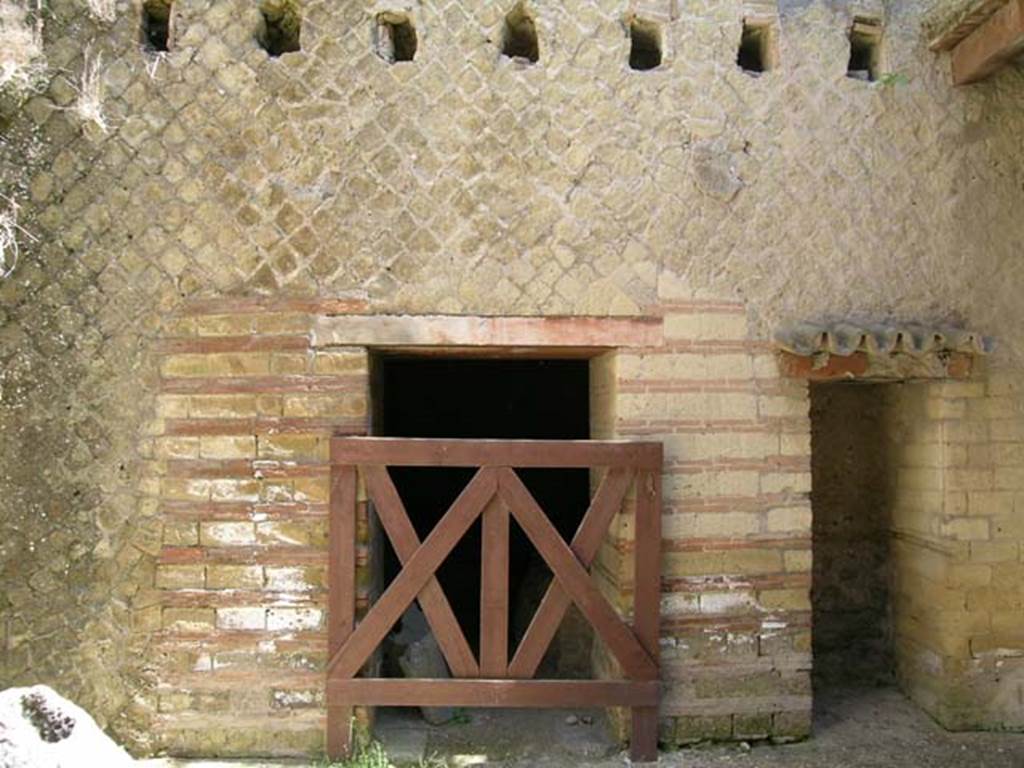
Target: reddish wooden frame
point(497, 495)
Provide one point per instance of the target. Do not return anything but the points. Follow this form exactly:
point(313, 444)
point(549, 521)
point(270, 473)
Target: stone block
point(994, 551)
point(693, 729)
point(294, 447)
point(290, 363)
point(752, 727)
point(727, 524)
point(216, 447)
point(295, 579)
point(791, 726)
point(179, 576)
point(180, 533)
point(347, 362)
point(177, 448)
point(234, 577)
point(705, 326)
point(339, 406)
point(226, 534)
point(241, 618)
point(798, 560)
point(188, 619)
point(785, 599)
point(789, 519)
point(294, 619)
point(310, 533)
point(966, 529)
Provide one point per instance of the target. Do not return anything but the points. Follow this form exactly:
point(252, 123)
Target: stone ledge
point(467, 331)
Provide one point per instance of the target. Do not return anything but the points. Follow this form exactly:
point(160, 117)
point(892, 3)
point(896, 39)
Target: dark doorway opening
point(851, 499)
point(544, 399)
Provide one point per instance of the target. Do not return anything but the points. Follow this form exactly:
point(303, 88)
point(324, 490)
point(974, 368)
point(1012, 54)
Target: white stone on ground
point(41, 729)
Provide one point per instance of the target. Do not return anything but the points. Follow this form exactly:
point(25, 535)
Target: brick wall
point(736, 532)
point(237, 468)
point(238, 471)
point(959, 527)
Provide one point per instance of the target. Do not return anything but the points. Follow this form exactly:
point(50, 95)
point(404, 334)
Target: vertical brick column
point(737, 525)
point(958, 532)
point(239, 472)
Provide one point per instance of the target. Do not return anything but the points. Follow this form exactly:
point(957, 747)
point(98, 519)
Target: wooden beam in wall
point(973, 16)
point(991, 45)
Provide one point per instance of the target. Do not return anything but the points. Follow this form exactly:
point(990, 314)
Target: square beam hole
point(396, 37)
point(156, 25)
point(282, 23)
point(865, 50)
point(755, 54)
point(520, 37)
point(645, 45)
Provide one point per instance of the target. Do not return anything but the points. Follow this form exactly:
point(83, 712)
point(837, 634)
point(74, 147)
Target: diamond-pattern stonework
point(461, 182)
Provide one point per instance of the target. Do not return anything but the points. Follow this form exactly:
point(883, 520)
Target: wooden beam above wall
point(991, 45)
point(976, 13)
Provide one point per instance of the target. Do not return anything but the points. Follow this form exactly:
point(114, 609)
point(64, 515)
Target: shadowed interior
point(475, 398)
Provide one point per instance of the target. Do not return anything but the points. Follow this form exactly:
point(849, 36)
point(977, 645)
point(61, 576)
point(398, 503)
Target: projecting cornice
point(889, 352)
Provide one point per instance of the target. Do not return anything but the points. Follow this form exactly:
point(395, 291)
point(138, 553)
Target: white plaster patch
point(295, 619)
point(241, 618)
point(288, 580)
point(727, 602)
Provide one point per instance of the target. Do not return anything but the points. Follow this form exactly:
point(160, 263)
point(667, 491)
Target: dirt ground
point(866, 728)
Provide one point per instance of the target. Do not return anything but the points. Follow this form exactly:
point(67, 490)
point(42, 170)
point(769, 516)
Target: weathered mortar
point(460, 182)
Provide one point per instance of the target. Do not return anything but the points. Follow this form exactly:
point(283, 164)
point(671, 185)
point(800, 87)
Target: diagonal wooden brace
point(436, 608)
point(635, 660)
point(414, 576)
point(585, 544)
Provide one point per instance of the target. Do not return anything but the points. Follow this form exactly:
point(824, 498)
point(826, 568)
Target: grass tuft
point(22, 65)
point(104, 10)
point(371, 754)
point(9, 234)
point(89, 103)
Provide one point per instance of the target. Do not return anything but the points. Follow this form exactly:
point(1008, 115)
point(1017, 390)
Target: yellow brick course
point(227, 447)
point(698, 326)
point(234, 577)
point(233, 364)
point(341, 361)
point(789, 519)
point(179, 576)
point(313, 448)
point(226, 534)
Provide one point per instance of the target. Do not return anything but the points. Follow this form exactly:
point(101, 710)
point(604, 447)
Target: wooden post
point(341, 606)
point(494, 592)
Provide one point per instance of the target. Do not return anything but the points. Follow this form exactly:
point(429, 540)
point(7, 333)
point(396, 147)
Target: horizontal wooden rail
point(576, 454)
point(550, 694)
